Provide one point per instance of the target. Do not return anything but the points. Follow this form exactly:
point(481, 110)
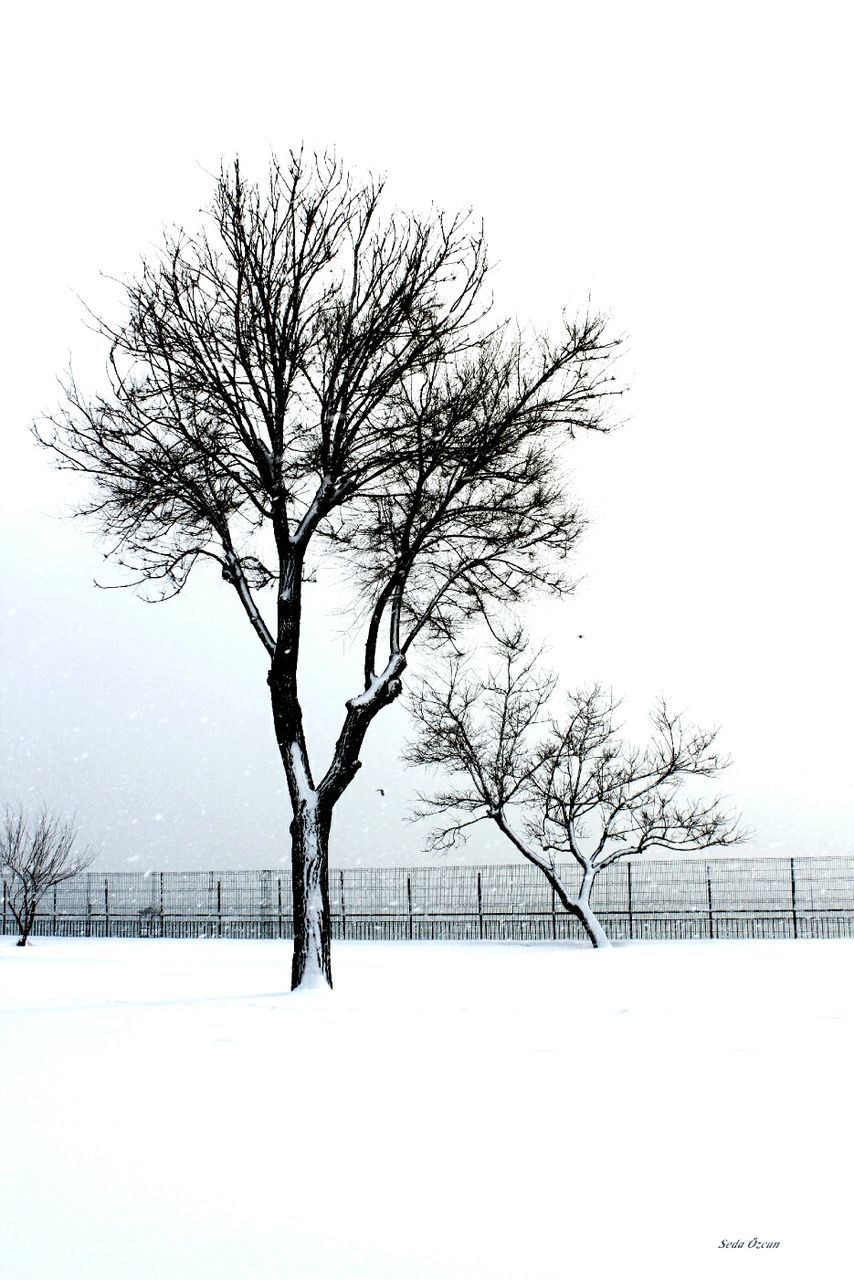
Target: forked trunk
point(312, 965)
point(312, 804)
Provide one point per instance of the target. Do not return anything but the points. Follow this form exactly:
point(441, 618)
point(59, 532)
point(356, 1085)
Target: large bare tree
point(36, 854)
point(562, 790)
point(308, 371)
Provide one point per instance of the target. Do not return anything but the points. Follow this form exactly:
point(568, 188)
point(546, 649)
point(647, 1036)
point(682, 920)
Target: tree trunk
point(585, 913)
point(594, 930)
point(24, 920)
point(312, 965)
point(580, 905)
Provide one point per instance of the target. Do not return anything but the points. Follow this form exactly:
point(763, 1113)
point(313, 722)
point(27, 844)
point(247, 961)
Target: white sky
point(688, 165)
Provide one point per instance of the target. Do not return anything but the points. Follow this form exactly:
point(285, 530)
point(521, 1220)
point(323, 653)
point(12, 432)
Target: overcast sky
point(687, 165)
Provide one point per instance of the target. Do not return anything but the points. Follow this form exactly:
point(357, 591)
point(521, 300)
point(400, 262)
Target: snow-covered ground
point(456, 1111)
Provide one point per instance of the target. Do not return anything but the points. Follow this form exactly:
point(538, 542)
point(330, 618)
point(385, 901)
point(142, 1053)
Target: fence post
point(88, 905)
point(54, 912)
point(709, 899)
point(5, 892)
point(631, 905)
point(162, 917)
point(106, 906)
point(479, 907)
point(794, 912)
point(219, 908)
point(279, 895)
point(343, 907)
point(409, 900)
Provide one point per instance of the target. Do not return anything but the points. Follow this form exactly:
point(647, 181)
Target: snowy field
point(452, 1111)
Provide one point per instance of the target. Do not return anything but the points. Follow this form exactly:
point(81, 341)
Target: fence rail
point(718, 898)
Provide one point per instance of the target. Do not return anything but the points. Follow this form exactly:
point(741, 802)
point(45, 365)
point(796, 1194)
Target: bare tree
point(309, 373)
point(562, 790)
point(36, 853)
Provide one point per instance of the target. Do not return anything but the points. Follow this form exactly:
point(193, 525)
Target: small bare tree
point(36, 853)
point(562, 790)
point(310, 373)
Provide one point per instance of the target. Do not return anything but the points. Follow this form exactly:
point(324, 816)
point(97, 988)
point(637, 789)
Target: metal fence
point(719, 898)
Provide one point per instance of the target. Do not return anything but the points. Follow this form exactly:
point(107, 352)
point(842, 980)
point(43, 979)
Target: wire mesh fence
point(719, 898)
